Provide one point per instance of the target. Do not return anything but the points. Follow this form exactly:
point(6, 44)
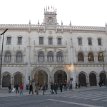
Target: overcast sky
point(79, 12)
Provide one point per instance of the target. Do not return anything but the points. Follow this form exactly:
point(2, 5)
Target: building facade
point(50, 52)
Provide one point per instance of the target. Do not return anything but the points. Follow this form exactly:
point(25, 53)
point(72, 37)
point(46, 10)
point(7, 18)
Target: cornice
point(63, 28)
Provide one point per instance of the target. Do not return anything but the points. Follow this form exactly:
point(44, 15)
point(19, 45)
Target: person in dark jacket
point(17, 88)
point(61, 86)
point(9, 88)
point(52, 88)
point(30, 89)
point(55, 87)
point(44, 88)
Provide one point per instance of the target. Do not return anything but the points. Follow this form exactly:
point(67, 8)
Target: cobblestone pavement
point(83, 97)
point(93, 94)
point(4, 92)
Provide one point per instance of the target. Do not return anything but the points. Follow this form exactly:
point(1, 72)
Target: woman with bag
point(21, 89)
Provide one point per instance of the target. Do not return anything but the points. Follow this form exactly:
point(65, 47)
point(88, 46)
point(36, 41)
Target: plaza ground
point(83, 97)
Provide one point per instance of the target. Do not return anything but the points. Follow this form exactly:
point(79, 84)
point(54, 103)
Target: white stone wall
point(69, 34)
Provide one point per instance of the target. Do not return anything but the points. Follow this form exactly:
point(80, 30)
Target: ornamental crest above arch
point(39, 50)
point(18, 72)
point(5, 73)
point(93, 72)
point(82, 72)
point(60, 50)
point(39, 68)
point(59, 68)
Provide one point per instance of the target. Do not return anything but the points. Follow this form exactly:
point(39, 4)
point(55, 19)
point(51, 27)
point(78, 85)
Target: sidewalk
point(4, 92)
point(89, 88)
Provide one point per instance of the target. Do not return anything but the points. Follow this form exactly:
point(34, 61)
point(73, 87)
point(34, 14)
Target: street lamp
point(2, 53)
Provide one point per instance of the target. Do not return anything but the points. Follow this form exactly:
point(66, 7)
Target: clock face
point(50, 20)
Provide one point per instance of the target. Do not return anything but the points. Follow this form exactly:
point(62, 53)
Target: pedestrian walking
point(61, 86)
point(33, 86)
point(55, 88)
point(65, 86)
point(9, 88)
point(44, 88)
point(76, 85)
point(21, 89)
point(37, 88)
point(52, 88)
point(30, 89)
point(17, 88)
point(100, 83)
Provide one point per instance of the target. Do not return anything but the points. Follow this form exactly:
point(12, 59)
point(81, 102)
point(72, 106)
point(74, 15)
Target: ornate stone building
point(50, 52)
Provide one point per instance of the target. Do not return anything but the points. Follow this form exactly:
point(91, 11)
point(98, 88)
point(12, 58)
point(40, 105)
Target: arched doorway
point(82, 79)
point(60, 77)
point(92, 79)
point(18, 78)
point(41, 78)
point(102, 77)
point(6, 80)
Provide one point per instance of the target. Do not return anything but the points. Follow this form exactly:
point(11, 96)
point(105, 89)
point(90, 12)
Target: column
point(87, 80)
point(95, 57)
point(50, 77)
point(45, 58)
point(74, 80)
point(54, 58)
point(85, 57)
point(97, 79)
point(73, 75)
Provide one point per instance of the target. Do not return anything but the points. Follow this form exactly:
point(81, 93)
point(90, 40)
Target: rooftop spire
point(38, 22)
point(49, 9)
point(29, 26)
point(29, 22)
point(70, 23)
point(61, 23)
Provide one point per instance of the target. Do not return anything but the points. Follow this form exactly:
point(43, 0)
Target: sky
point(79, 12)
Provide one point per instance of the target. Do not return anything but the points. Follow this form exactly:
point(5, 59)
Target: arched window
point(90, 56)
point(19, 56)
point(18, 78)
point(80, 56)
point(102, 77)
point(82, 79)
point(59, 56)
point(7, 57)
point(100, 56)
point(50, 56)
point(6, 79)
point(41, 56)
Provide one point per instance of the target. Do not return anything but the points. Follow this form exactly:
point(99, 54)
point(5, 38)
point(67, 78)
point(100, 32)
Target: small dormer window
point(19, 42)
point(8, 42)
point(41, 40)
point(50, 40)
point(79, 41)
point(89, 41)
point(59, 41)
point(99, 41)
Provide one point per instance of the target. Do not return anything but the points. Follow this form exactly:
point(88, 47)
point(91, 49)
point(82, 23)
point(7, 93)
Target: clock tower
point(50, 16)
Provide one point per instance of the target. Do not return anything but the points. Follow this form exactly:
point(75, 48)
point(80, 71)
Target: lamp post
point(2, 53)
